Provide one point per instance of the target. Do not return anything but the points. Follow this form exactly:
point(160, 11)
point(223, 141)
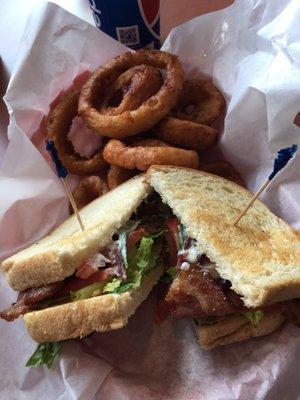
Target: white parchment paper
point(251, 50)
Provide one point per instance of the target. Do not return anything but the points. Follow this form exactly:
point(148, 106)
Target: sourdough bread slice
point(260, 256)
point(234, 329)
point(58, 254)
point(80, 318)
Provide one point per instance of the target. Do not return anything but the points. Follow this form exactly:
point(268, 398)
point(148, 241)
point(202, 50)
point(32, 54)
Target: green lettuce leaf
point(113, 286)
point(254, 316)
point(146, 258)
point(117, 286)
point(149, 252)
point(124, 287)
point(122, 241)
point(141, 260)
point(144, 253)
point(45, 353)
point(87, 291)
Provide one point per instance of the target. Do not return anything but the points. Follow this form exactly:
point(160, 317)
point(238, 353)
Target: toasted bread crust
point(260, 256)
point(60, 253)
point(236, 329)
point(80, 318)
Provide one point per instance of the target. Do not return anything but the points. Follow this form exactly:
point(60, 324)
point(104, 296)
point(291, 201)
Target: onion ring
point(135, 86)
point(149, 142)
point(224, 169)
point(200, 102)
point(186, 134)
point(144, 153)
point(117, 175)
point(88, 189)
point(150, 112)
point(58, 127)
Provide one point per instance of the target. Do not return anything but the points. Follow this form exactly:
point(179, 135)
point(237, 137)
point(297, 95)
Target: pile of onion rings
point(141, 94)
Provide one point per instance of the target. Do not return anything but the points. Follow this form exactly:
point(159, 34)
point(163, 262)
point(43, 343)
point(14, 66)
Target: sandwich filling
point(153, 236)
point(199, 292)
point(133, 252)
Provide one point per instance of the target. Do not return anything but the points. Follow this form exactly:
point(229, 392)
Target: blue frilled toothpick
point(283, 157)
point(62, 174)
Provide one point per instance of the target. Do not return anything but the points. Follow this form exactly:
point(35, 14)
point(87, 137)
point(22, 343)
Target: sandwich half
point(72, 283)
point(236, 282)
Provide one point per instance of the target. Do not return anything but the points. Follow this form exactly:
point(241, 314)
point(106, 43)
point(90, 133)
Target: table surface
point(14, 16)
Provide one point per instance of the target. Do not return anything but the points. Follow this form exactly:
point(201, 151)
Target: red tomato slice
point(172, 237)
point(86, 270)
point(76, 283)
point(134, 236)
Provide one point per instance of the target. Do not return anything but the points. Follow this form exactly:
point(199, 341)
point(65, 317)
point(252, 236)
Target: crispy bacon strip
point(28, 298)
point(14, 311)
point(34, 295)
point(195, 294)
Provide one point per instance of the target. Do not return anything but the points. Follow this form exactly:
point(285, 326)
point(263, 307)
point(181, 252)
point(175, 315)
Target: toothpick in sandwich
point(62, 174)
point(283, 157)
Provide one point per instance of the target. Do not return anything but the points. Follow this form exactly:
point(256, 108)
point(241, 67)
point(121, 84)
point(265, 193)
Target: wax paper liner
point(251, 51)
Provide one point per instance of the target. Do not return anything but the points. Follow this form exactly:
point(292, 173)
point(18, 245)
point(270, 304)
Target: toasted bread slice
point(80, 318)
point(57, 255)
point(233, 329)
point(260, 256)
